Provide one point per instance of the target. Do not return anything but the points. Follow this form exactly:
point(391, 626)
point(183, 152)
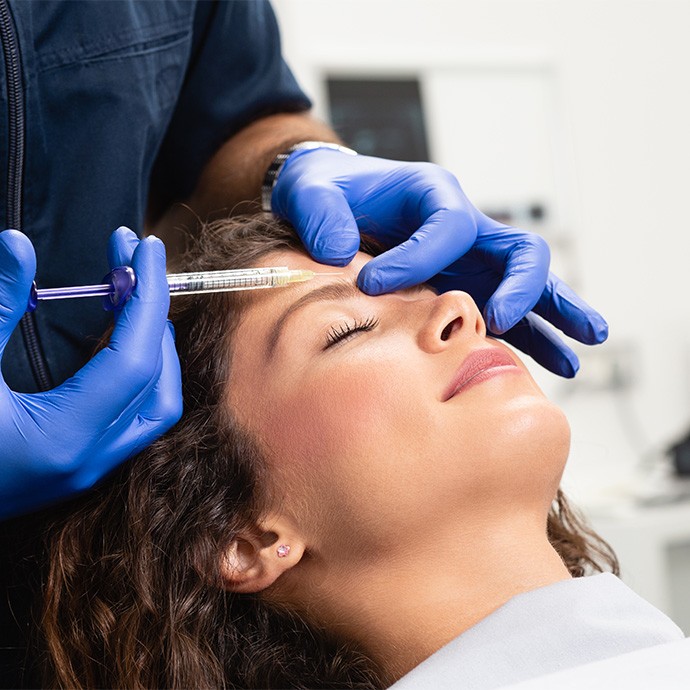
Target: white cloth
point(557, 627)
point(664, 666)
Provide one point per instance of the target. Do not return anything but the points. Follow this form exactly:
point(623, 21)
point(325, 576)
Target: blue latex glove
point(60, 442)
point(434, 234)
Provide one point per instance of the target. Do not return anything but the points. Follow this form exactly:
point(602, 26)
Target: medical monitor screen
point(379, 117)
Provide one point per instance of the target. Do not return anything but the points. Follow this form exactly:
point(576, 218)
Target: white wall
point(605, 85)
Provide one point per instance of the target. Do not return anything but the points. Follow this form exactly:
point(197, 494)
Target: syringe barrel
point(227, 281)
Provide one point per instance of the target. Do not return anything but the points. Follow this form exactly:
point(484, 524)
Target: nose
point(451, 316)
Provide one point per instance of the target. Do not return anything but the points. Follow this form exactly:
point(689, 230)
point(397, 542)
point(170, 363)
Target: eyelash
point(343, 332)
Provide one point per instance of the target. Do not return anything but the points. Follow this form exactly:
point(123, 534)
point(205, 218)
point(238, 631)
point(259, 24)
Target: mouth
point(479, 366)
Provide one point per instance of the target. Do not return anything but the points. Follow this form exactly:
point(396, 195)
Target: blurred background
point(570, 119)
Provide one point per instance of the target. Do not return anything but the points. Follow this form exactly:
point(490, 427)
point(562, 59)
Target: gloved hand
point(62, 441)
point(434, 234)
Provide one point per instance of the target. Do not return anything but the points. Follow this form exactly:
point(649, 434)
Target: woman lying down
point(362, 490)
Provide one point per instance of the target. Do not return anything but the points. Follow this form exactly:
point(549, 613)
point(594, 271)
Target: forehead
point(293, 258)
point(263, 303)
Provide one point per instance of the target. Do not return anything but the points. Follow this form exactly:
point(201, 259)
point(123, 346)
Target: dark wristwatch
point(276, 166)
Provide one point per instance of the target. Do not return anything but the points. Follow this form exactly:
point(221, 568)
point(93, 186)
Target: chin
point(538, 442)
point(517, 452)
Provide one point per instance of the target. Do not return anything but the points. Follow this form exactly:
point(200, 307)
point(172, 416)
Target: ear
point(255, 559)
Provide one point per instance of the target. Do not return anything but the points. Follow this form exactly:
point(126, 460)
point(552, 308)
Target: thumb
point(17, 270)
point(324, 221)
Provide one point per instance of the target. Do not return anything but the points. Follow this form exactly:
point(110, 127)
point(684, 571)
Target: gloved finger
point(163, 405)
point(525, 274)
point(560, 306)
point(150, 416)
point(445, 236)
point(534, 337)
point(17, 271)
point(121, 246)
point(324, 221)
point(131, 362)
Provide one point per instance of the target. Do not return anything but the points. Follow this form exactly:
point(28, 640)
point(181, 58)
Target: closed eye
point(344, 331)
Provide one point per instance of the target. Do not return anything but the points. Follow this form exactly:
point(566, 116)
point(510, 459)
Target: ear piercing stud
point(283, 550)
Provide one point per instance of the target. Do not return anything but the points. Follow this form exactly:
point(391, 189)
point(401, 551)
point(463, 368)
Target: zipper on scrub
point(15, 175)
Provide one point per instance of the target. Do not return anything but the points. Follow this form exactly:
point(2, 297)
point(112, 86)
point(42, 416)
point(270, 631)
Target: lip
point(478, 366)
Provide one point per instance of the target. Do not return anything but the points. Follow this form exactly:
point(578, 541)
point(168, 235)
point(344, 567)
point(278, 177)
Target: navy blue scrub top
point(101, 102)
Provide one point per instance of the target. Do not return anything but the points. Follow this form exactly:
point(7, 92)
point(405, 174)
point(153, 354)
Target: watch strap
point(279, 161)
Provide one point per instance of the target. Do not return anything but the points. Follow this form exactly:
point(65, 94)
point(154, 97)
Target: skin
point(409, 517)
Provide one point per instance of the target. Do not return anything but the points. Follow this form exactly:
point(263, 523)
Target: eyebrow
point(340, 290)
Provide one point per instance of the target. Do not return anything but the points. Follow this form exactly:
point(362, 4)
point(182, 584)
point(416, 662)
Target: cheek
point(354, 407)
point(348, 441)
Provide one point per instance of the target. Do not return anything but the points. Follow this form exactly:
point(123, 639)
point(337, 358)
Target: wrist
point(278, 163)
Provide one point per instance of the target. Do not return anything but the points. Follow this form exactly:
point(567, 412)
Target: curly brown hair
point(134, 597)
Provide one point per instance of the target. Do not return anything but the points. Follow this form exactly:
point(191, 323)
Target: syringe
point(118, 285)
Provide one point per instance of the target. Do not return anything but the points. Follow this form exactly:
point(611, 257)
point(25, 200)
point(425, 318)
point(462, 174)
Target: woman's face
point(383, 417)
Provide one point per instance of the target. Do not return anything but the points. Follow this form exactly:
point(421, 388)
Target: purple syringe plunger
point(116, 289)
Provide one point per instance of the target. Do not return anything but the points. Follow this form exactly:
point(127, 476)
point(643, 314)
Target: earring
point(283, 550)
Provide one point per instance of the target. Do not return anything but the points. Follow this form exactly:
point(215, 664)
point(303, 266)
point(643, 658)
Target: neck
point(405, 607)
